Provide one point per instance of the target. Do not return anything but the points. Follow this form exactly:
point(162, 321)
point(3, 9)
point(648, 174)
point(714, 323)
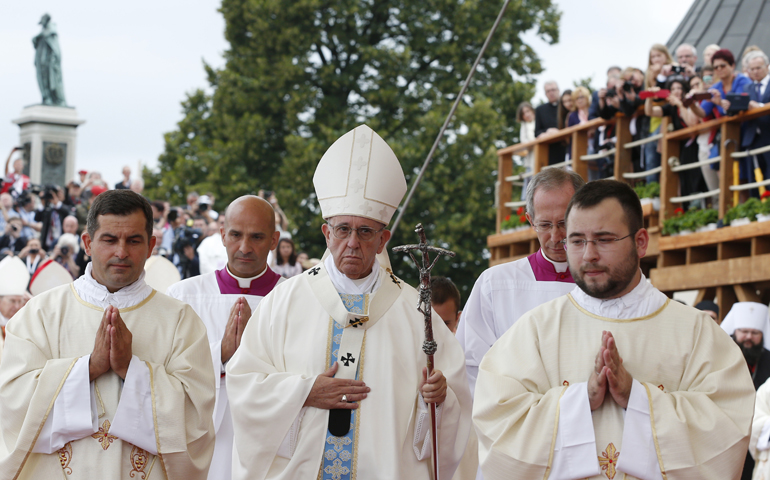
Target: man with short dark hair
point(446, 301)
point(667, 394)
point(107, 378)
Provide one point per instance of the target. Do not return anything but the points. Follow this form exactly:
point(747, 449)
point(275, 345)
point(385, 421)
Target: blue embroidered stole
point(340, 459)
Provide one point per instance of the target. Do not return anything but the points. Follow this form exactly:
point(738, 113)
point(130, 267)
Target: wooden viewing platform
point(730, 264)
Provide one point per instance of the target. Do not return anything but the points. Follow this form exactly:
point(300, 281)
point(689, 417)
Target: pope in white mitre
point(329, 380)
point(105, 377)
point(613, 380)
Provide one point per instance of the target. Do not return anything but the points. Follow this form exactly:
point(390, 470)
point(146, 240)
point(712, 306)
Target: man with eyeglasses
point(613, 380)
point(329, 380)
point(747, 323)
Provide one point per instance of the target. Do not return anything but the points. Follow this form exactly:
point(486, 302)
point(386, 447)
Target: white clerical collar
point(343, 284)
point(97, 294)
point(245, 282)
point(560, 267)
point(643, 300)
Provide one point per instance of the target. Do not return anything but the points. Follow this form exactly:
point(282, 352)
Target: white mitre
point(748, 315)
point(359, 175)
point(14, 276)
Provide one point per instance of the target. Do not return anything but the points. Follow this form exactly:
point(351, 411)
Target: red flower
point(766, 194)
point(523, 219)
point(508, 218)
point(520, 211)
point(679, 211)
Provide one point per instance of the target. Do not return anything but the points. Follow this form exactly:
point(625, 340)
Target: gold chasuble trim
point(362, 357)
point(555, 431)
point(127, 309)
point(655, 433)
point(155, 417)
point(45, 417)
point(619, 320)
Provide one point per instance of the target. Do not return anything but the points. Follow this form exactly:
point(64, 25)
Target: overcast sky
point(128, 65)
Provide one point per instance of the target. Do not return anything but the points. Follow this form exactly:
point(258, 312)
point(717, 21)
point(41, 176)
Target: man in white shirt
point(667, 394)
point(105, 377)
point(225, 298)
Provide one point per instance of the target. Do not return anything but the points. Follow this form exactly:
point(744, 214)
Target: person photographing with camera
point(65, 251)
point(32, 255)
point(12, 241)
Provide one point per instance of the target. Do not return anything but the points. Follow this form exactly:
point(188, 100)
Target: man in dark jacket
point(546, 122)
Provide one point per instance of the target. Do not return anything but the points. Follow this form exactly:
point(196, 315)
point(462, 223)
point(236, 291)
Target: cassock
point(500, 296)
point(546, 116)
point(689, 411)
point(212, 297)
point(56, 424)
point(372, 326)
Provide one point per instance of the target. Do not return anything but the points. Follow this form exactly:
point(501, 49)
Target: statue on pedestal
point(48, 63)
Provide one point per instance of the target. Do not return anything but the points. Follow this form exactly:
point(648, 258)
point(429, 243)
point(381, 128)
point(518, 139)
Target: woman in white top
point(525, 115)
point(286, 264)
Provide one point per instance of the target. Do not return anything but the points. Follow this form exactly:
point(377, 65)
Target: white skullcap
point(359, 175)
point(14, 276)
point(748, 315)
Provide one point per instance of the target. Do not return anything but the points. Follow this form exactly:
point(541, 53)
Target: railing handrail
point(563, 134)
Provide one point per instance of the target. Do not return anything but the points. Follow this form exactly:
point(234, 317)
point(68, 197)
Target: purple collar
point(544, 270)
point(259, 286)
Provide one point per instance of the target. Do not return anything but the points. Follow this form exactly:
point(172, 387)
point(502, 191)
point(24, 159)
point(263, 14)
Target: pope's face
point(352, 256)
point(118, 250)
point(550, 206)
point(608, 270)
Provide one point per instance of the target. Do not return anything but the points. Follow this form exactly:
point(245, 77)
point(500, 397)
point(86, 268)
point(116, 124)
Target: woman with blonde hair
point(581, 99)
point(659, 56)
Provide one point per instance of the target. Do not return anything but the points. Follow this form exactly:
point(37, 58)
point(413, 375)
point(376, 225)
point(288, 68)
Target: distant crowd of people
point(677, 88)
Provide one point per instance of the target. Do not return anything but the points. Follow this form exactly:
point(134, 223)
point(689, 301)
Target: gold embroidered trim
point(99, 397)
point(103, 435)
point(618, 320)
point(121, 310)
point(608, 460)
point(361, 357)
point(553, 439)
point(45, 417)
point(139, 459)
point(655, 434)
point(155, 418)
point(65, 457)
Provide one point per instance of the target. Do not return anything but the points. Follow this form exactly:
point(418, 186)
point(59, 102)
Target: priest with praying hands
point(613, 380)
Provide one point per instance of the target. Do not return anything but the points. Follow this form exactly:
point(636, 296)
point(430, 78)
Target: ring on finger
point(344, 398)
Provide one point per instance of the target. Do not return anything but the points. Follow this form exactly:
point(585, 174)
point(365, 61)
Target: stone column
point(48, 135)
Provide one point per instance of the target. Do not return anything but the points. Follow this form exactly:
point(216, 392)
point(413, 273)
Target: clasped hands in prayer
point(608, 376)
point(327, 391)
point(112, 348)
point(239, 317)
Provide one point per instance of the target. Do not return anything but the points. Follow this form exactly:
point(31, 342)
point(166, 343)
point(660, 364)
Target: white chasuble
point(291, 339)
point(46, 340)
point(698, 394)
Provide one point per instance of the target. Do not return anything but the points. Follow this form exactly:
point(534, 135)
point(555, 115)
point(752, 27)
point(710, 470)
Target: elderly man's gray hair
point(550, 179)
point(756, 54)
point(687, 45)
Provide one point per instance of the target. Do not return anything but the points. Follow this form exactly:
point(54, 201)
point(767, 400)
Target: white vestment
point(287, 344)
point(686, 415)
point(203, 294)
point(212, 254)
point(155, 424)
point(760, 434)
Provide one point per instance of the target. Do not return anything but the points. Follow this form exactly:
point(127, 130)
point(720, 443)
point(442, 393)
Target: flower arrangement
point(515, 222)
point(648, 190)
point(745, 212)
point(687, 222)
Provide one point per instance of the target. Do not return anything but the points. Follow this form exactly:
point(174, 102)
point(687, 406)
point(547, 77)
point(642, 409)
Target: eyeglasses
point(545, 227)
point(720, 66)
point(601, 244)
point(364, 233)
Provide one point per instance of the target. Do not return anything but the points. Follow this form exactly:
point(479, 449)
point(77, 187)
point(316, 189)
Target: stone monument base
point(48, 135)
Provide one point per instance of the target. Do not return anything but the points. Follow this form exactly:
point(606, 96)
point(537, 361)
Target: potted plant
point(706, 220)
point(744, 213)
point(515, 223)
point(673, 225)
point(694, 220)
point(649, 193)
point(764, 211)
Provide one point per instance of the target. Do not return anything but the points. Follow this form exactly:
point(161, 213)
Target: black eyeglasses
point(364, 233)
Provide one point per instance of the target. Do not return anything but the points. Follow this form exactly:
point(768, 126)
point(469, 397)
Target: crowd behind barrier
point(40, 222)
point(699, 129)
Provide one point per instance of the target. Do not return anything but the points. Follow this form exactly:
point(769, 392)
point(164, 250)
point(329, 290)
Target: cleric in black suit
point(756, 133)
point(546, 121)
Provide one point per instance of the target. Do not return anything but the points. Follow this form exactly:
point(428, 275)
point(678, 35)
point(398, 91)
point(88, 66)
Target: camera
point(187, 236)
point(611, 92)
point(628, 87)
point(65, 250)
point(677, 69)
point(34, 251)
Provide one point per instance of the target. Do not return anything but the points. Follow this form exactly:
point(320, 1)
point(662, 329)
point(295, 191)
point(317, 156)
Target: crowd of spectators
point(41, 222)
point(677, 87)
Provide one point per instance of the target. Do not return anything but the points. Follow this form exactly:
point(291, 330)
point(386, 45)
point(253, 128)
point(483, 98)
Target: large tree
point(300, 74)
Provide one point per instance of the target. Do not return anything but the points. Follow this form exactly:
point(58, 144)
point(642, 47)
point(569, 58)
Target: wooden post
point(731, 138)
point(669, 180)
point(540, 157)
point(623, 159)
point(504, 189)
point(725, 299)
point(580, 148)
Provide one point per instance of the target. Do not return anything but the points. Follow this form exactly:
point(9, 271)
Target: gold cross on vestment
point(103, 435)
point(609, 460)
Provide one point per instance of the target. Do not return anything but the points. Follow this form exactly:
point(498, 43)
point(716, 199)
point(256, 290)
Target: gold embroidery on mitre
point(608, 460)
point(65, 457)
point(103, 435)
point(139, 459)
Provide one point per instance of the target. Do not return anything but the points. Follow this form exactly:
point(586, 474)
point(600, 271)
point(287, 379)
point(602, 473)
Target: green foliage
point(514, 220)
point(691, 220)
point(300, 74)
point(648, 190)
point(584, 82)
point(748, 209)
